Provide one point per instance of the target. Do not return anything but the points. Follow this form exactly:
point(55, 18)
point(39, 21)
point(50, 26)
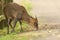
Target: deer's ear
point(35, 18)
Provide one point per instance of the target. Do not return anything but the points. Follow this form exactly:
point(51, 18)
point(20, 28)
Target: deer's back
point(14, 10)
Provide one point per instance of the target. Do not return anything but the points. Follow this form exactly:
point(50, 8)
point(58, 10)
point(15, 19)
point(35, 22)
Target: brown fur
point(15, 12)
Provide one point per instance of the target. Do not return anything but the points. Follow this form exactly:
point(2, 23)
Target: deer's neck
point(28, 19)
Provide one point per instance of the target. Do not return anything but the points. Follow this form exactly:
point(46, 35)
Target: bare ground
point(49, 33)
point(53, 34)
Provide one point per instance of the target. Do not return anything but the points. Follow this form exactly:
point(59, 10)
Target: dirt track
point(53, 34)
point(49, 34)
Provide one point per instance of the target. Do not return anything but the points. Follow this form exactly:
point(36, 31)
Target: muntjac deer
point(15, 12)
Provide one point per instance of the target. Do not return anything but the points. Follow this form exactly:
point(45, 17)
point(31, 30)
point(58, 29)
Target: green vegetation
point(15, 35)
point(27, 5)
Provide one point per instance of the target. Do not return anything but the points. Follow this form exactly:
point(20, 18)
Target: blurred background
point(47, 12)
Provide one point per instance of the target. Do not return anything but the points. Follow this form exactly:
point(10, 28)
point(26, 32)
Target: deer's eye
point(35, 23)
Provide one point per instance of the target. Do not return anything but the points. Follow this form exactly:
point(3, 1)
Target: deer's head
point(34, 22)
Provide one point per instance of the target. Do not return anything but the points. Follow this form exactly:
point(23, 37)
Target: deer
point(15, 12)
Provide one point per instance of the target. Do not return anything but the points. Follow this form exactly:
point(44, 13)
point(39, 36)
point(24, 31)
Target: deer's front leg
point(8, 20)
point(21, 26)
point(14, 25)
